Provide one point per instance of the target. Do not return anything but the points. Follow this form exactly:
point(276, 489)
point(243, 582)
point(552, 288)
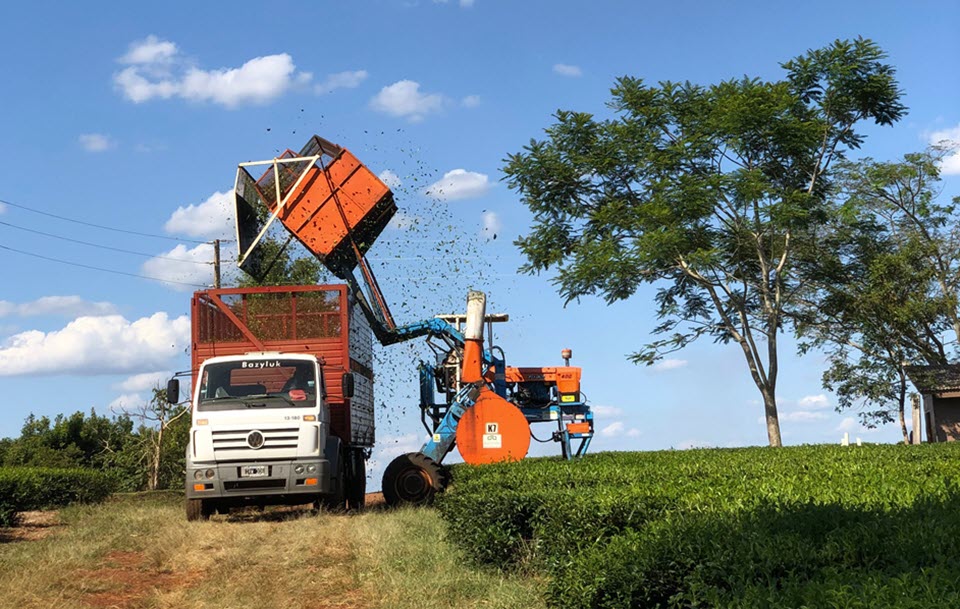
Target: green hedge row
point(811, 526)
point(35, 488)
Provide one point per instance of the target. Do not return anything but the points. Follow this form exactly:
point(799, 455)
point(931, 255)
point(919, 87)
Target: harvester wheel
point(357, 481)
point(412, 479)
point(198, 509)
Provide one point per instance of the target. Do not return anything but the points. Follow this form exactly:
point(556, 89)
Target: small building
point(939, 388)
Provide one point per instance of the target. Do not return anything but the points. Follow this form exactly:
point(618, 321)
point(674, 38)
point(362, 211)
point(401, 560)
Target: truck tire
point(198, 509)
point(336, 501)
point(357, 481)
point(413, 479)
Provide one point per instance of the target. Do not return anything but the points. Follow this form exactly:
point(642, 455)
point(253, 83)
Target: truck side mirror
point(173, 391)
point(347, 384)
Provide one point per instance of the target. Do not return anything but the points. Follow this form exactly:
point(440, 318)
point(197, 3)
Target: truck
point(282, 406)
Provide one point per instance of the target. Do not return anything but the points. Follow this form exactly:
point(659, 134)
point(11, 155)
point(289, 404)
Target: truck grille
point(237, 439)
point(244, 485)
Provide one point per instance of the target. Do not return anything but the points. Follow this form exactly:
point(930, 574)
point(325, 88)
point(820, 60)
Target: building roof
point(934, 379)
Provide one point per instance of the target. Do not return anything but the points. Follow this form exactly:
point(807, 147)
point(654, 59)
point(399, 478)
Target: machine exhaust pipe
point(472, 370)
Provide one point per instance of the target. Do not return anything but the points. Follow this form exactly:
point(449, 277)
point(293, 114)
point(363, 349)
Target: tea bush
point(755, 527)
point(35, 488)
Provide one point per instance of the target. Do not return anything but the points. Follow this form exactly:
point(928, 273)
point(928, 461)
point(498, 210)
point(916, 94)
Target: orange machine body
point(566, 379)
point(492, 430)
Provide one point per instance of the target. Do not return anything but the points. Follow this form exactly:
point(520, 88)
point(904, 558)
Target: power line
point(100, 226)
point(105, 247)
point(97, 268)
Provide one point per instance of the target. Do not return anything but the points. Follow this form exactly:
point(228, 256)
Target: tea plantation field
point(810, 526)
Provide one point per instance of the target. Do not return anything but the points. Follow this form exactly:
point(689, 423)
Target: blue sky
point(135, 116)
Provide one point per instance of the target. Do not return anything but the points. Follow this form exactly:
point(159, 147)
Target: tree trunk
point(900, 407)
point(155, 466)
point(773, 418)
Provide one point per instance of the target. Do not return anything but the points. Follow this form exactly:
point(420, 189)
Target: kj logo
point(492, 428)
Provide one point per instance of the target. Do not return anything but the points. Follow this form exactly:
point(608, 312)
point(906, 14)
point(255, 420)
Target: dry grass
point(138, 551)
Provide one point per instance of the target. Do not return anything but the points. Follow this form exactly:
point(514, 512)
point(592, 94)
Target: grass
point(138, 551)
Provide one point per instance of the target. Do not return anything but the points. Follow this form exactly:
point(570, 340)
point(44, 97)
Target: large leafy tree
point(711, 193)
point(886, 294)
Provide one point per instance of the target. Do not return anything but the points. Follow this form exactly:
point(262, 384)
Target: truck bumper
point(282, 479)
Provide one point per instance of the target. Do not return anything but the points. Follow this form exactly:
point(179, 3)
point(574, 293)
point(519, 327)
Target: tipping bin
point(324, 196)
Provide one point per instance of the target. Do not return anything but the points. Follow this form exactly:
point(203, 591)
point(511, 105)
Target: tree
point(886, 294)
point(159, 418)
point(98, 442)
point(713, 194)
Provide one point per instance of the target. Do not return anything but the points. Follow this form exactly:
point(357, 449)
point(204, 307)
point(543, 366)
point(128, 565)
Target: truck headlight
point(198, 475)
point(311, 468)
point(209, 473)
point(298, 469)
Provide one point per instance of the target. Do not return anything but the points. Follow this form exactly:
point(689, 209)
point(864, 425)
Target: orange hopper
point(324, 196)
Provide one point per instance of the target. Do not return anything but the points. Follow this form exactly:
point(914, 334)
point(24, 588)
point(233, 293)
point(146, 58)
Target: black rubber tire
point(413, 479)
point(336, 501)
point(356, 480)
point(198, 509)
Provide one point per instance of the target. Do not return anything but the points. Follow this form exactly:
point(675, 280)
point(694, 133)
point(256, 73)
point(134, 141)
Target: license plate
point(253, 471)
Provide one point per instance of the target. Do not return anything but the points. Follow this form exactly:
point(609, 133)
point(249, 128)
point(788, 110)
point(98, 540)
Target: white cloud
point(391, 179)
point(96, 142)
point(212, 219)
point(848, 424)
point(814, 401)
point(949, 139)
point(157, 69)
point(951, 164)
point(144, 381)
point(613, 430)
point(392, 446)
point(950, 136)
point(258, 81)
point(491, 224)
point(96, 345)
point(466, 3)
point(600, 410)
point(802, 416)
point(340, 80)
point(403, 221)
point(633, 432)
point(150, 50)
point(567, 70)
point(459, 184)
point(127, 401)
point(670, 364)
point(183, 266)
point(404, 99)
point(470, 101)
point(66, 306)
point(138, 89)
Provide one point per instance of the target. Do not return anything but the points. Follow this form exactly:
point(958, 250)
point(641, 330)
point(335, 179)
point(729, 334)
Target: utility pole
point(216, 263)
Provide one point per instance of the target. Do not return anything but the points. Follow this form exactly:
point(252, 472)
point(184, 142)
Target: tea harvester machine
point(336, 207)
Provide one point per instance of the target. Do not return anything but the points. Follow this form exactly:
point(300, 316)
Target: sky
point(129, 121)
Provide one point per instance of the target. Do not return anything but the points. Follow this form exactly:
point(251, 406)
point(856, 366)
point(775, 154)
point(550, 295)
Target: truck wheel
point(412, 479)
point(357, 481)
point(198, 509)
point(336, 501)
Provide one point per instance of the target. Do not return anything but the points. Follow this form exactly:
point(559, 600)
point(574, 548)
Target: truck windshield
point(258, 383)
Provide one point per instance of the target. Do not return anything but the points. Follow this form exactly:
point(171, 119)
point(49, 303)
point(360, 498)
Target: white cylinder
point(476, 312)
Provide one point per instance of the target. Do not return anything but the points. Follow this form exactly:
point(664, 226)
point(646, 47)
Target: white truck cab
point(259, 433)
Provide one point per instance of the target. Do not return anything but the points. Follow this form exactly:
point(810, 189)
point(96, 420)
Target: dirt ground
point(33, 526)
point(37, 525)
